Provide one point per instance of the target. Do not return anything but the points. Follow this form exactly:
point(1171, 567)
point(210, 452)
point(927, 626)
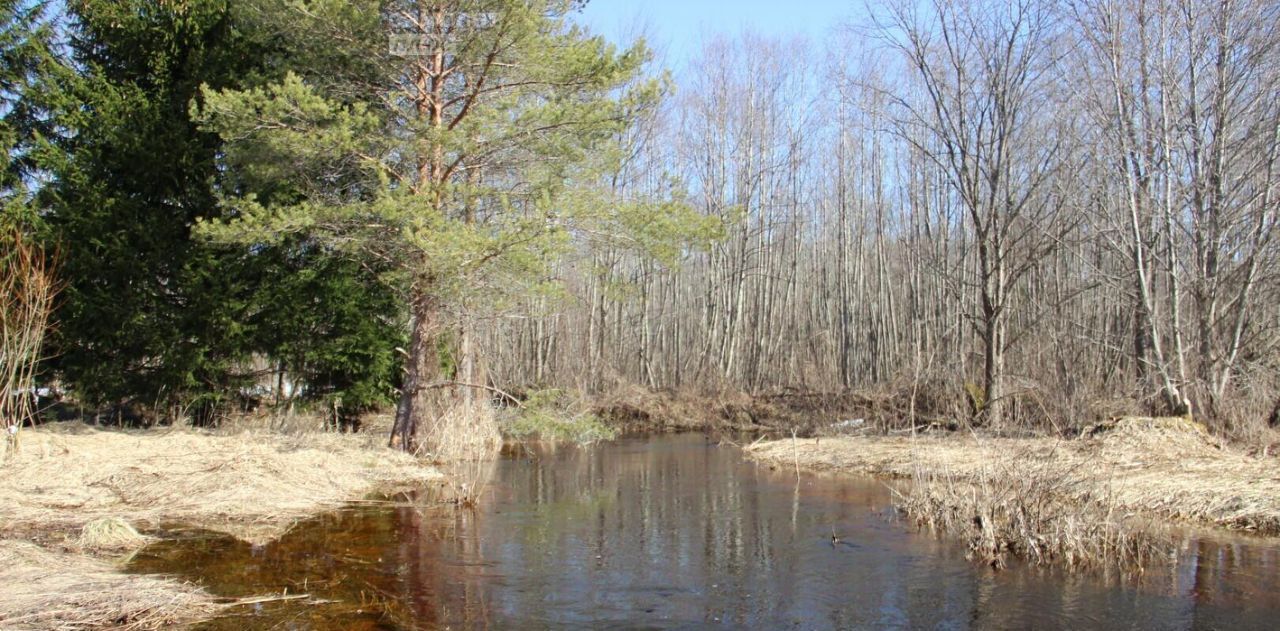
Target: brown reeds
point(1042, 512)
point(1157, 467)
point(27, 289)
point(466, 429)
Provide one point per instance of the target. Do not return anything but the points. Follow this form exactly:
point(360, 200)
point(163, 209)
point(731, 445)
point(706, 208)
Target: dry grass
point(1168, 467)
point(48, 590)
point(111, 533)
point(1039, 514)
point(76, 488)
point(465, 431)
point(249, 483)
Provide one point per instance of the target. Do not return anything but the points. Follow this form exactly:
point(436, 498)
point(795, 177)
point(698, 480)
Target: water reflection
point(674, 533)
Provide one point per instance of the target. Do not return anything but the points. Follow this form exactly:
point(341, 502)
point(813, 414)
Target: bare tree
point(1076, 209)
point(983, 75)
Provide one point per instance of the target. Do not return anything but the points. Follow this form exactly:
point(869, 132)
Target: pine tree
point(461, 155)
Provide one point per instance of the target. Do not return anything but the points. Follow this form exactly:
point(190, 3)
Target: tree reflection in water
point(677, 532)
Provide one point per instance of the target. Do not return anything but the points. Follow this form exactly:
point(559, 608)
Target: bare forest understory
point(73, 499)
point(806, 412)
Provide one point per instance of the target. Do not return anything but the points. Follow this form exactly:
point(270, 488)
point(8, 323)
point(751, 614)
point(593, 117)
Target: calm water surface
point(674, 533)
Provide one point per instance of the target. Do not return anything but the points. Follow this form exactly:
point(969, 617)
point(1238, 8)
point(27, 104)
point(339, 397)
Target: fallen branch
point(502, 393)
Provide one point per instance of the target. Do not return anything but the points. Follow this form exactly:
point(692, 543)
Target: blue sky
point(677, 26)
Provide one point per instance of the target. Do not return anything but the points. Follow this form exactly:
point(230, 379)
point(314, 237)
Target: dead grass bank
point(49, 590)
point(75, 490)
point(252, 484)
point(1044, 514)
point(1167, 468)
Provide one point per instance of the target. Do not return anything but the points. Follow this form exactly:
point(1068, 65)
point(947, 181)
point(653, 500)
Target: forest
point(1011, 215)
point(1019, 215)
point(267, 257)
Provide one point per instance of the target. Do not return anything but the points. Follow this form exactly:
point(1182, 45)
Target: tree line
point(1023, 214)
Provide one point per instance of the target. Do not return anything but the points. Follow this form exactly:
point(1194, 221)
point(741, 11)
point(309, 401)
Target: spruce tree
point(151, 313)
point(26, 59)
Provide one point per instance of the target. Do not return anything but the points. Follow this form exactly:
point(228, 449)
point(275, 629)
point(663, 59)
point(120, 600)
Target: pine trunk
point(421, 366)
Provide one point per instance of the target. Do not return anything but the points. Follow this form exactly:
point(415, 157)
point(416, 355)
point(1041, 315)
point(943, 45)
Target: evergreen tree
point(26, 54)
point(459, 156)
point(149, 314)
point(153, 314)
point(331, 325)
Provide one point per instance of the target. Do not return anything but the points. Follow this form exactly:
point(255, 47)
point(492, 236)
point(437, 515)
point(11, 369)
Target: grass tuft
point(111, 533)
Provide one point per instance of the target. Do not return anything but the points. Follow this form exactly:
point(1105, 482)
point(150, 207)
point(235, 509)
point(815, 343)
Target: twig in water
point(266, 599)
point(795, 450)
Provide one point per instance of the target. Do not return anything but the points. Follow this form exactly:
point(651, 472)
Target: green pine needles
point(467, 153)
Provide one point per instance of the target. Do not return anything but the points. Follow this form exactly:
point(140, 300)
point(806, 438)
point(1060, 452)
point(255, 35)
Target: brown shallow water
point(675, 532)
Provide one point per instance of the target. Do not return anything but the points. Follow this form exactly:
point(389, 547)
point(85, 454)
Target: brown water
point(675, 532)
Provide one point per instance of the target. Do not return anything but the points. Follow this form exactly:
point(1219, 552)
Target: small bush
point(27, 290)
point(553, 415)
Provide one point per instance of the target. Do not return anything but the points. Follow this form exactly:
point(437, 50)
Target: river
point(676, 532)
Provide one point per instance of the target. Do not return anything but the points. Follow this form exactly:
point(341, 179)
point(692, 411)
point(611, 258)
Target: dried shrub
point(1038, 513)
point(27, 289)
point(466, 429)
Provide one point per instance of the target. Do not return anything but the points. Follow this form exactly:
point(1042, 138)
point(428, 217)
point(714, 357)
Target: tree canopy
point(465, 157)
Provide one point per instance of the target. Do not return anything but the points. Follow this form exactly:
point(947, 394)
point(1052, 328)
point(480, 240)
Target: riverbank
point(71, 497)
point(1168, 469)
point(639, 410)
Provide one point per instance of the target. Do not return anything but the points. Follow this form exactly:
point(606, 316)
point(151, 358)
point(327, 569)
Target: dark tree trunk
point(421, 366)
